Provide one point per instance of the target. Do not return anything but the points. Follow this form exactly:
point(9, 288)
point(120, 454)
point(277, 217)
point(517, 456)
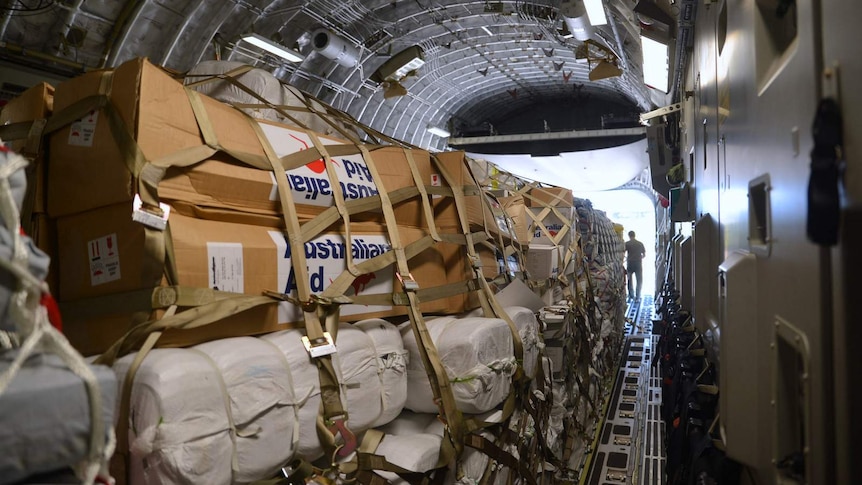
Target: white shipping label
point(310, 183)
point(326, 260)
point(82, 131)
point(225, 268)
point(436, 181)
point(104, 257)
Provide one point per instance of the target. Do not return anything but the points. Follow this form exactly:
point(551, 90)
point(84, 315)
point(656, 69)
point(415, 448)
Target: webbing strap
point(304, 98)
point(426, 201)
point(231, 77)
point(330, 394)
point(338, 197)
point(437, 376)
point(461, 209)
point(490, 306)
point(501, 456)
point(340, 284)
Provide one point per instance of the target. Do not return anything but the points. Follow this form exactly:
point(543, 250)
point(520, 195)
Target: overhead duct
point(333, 47)
point(575, 16)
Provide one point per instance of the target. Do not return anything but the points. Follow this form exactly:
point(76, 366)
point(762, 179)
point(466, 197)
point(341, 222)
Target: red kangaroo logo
point(552, 233)
point(361, 282)
point(316, 166)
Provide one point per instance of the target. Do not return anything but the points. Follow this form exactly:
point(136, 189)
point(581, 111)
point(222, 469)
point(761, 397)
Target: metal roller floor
point(630, 447)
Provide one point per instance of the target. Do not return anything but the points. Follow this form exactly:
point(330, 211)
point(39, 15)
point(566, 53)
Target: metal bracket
point(831, 87)
point(672, 108)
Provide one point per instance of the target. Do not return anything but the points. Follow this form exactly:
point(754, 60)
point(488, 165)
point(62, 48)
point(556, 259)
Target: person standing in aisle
point(635, 253)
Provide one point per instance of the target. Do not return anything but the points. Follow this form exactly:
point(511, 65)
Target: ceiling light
point(400, 65)
point(596, 12)
point(655, 63)
point(487, 30)
point(272, 47)
point(438, 131)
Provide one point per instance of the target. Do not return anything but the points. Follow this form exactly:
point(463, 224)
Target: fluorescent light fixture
point(596, 12)
point(655, 55)
point(487, 30)
point(438, 131)
point(270, 46)
point(405, 69)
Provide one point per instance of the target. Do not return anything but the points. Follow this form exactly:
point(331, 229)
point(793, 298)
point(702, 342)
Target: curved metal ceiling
point(485, 60)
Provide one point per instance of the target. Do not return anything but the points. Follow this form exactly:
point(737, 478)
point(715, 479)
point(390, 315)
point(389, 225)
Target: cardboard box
point(102, 253)
point(488, 216)
point(516, 209)
point(87, 167)
point(88, 171)
point(550, 196)
point(227, 184)
point(35, 103)
point(553, 224)
point(543, 262)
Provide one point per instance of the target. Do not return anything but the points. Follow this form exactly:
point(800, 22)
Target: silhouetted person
point(635, 253)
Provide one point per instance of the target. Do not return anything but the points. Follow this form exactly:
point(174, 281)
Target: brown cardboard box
point(550, 196)
point(489, 216)
point(516, 209)
point(220, 183)
point(33, 104)
point(553, 224)
point(87, 168)
point(102, 253)
point(88, 172)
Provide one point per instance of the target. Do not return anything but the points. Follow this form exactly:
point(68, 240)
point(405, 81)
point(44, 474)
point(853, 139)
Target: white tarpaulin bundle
point(478, 356)
point(528, 328)
point(266, 86)
point(412, 442)
point(238, 409)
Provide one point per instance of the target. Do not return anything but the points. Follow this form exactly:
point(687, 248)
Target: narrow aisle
point(629, 448)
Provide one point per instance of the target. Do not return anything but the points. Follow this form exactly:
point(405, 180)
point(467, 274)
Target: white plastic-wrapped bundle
point(236, 410)
point(392, 361)
point(220, 412)
point(528, 328)
point(313, 121)
point(412, 441)
point(371, 394)
point(257, 80)
point(478, 357)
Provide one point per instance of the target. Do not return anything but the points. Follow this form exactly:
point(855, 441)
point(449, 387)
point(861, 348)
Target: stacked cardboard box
point(226, 224)
point(24, 117)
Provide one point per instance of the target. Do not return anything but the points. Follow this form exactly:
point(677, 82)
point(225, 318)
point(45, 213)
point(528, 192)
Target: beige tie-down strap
point(490, 305)
point(437, 376)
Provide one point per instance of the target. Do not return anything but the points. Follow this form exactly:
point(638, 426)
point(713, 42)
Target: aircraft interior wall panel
point(761, 142)
point(702, 133)
point(840, 46)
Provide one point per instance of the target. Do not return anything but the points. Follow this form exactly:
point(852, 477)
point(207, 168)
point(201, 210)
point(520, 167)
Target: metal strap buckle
point(320, 347)
point(152, 217)
point(408, 282)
